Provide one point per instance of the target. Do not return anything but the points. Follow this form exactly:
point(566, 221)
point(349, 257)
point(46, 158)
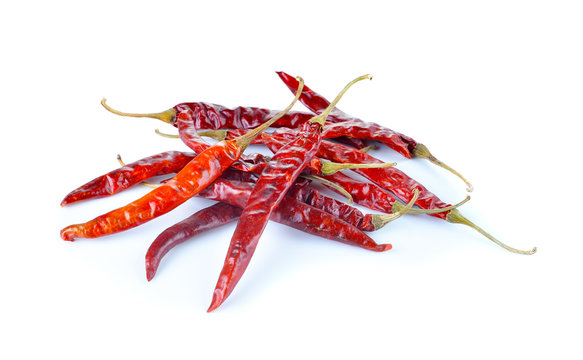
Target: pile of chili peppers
point(253, 189)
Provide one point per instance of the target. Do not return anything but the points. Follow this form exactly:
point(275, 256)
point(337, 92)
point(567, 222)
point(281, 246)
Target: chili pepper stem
point(245, 140)
point(218, 135)
point(421, 151)
point(171, 136)
point(457, 218)
point(397, 206)
point(379, 221)
point(330, 167)
point(321, 119)
point(369, 148)
point(331, 184)
point(167, 116)
point(214, 134)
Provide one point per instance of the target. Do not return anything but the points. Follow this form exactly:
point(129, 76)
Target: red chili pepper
point(203, 220)
point(354, 127)
point(131, 174)
point(212, 116)
point(290, 212)
point(279, 174)
point(194, 177)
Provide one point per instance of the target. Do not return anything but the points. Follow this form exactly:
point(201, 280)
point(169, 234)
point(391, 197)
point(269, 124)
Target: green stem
point(331, 184)
point(381, 220)
point(168, 116)
point(421, 151)
point(321, 119)
point(457, 218)
point(329, 167)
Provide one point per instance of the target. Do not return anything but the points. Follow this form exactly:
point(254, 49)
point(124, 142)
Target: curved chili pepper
point(279, 174)
point(130, 174)
point(203, 220)
point(194, 177)
point(354, 127)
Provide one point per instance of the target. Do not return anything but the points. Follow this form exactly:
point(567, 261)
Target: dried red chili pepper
point(203, 220)
point(279, 174)
point(194, 177)
point(290, 212)
point(354, 127)
point(130, 174)
point(212, 116)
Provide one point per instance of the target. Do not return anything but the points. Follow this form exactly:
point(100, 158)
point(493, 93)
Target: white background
point(492, 88)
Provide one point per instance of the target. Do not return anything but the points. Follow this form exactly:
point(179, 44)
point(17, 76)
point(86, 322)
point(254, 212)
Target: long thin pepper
point(278, 176)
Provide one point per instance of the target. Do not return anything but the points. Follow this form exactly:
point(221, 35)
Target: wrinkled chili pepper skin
point(195, 176)
point(366, 194)
point(188, 134)
point(203, 220)
point(131, 174)
point(343, 211)
point(278, 176)
point(212, 116)
point(361, 130)
point(357, 128)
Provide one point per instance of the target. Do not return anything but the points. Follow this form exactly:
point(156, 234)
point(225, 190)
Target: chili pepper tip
point(384, 247)
point(150, 271)
point(216, 302)
point(69, 233)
